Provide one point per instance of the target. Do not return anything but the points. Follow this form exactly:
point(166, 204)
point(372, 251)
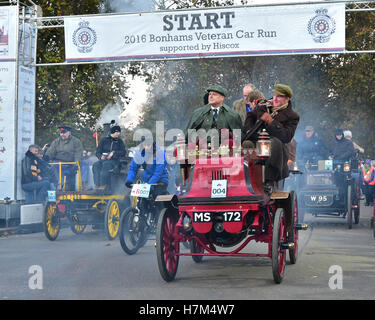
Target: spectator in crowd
point(66, 148)
point(253, 98)
point(368, 182)
point(47, 171)
point(311, 148)
point(242, 106)
point(110, 151)
point(348, 135)
point(32, 180)
point(341, 149)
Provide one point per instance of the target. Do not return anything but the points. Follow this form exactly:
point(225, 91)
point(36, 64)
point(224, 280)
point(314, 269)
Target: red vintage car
point(224, 205)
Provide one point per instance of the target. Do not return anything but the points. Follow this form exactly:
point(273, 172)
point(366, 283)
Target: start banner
point(210, 32)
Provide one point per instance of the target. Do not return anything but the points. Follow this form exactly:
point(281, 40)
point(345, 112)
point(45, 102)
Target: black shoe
point(268, 187)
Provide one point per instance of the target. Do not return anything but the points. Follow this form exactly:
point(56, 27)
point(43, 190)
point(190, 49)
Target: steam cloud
point(132, 5)
point(110, 112)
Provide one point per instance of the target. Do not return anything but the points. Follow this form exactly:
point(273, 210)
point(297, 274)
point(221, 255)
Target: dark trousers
point(276, 167)
point(39, 187)
point(150, 204)
point(369, 192)
point(102, 171)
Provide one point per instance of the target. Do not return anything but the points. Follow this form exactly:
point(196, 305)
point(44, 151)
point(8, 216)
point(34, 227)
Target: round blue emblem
point(84, 37)
point(322, 26)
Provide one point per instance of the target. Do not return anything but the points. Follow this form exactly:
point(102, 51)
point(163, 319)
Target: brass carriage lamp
point(263, 146)
point(346, 166)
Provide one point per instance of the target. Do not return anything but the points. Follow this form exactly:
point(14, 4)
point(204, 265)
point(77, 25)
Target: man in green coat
point(66, 148)
point(215, 114)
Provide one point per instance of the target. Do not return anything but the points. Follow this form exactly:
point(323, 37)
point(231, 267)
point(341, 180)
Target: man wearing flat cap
point(110, 151)
point(280, 121)
point(311, 148)
point(66, 148)
point(215, 114)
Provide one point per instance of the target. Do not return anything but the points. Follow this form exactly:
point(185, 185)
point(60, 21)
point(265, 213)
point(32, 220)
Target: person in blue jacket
point(153, 160)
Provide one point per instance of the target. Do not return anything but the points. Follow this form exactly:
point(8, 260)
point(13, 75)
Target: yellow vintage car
point(84, 207)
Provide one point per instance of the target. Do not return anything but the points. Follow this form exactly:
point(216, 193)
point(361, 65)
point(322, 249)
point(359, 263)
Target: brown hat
point(283, 90)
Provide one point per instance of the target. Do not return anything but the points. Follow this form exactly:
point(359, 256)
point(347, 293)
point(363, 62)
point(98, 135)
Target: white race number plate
point(219, 189)
point(141, 190)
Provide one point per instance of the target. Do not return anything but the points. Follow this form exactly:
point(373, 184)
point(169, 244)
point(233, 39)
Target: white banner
point(214, 32)
point(26, 99)
point(8, 49)
point(26, 117)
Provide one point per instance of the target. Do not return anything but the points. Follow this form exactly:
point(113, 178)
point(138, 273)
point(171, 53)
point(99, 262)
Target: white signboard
point(214, 32)
point(8, 49)
point(26, 117)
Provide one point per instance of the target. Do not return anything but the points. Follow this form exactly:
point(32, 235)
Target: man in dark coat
point(341, 149)
point(280, 121)
point(32, 177)
point(110, 151)
point(311, 147)
point(215, 114)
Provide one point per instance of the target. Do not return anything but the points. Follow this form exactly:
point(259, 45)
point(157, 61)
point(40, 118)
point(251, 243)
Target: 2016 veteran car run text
point(208, 26)
point(199, 36)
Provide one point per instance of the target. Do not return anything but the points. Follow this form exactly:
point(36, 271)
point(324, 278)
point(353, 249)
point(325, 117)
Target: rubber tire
point(165, 245)
point(358, 209)
point(349, 209)
point(278, 254)
point(301, 212)
point(124, 228)
point(51, 209)
point(74, 226)
point(112, 219)
point(293, 253)
point(196, 248)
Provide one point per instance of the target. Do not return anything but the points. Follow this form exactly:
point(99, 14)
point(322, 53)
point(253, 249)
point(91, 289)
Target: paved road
point(91, 267)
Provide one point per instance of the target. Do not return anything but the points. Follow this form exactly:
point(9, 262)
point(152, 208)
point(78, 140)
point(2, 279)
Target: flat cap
point(64, 128)
point(218, 88)
point(283, 90)
point(309, 128)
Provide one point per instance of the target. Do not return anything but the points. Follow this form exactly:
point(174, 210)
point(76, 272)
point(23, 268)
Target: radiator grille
point(219, 175)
